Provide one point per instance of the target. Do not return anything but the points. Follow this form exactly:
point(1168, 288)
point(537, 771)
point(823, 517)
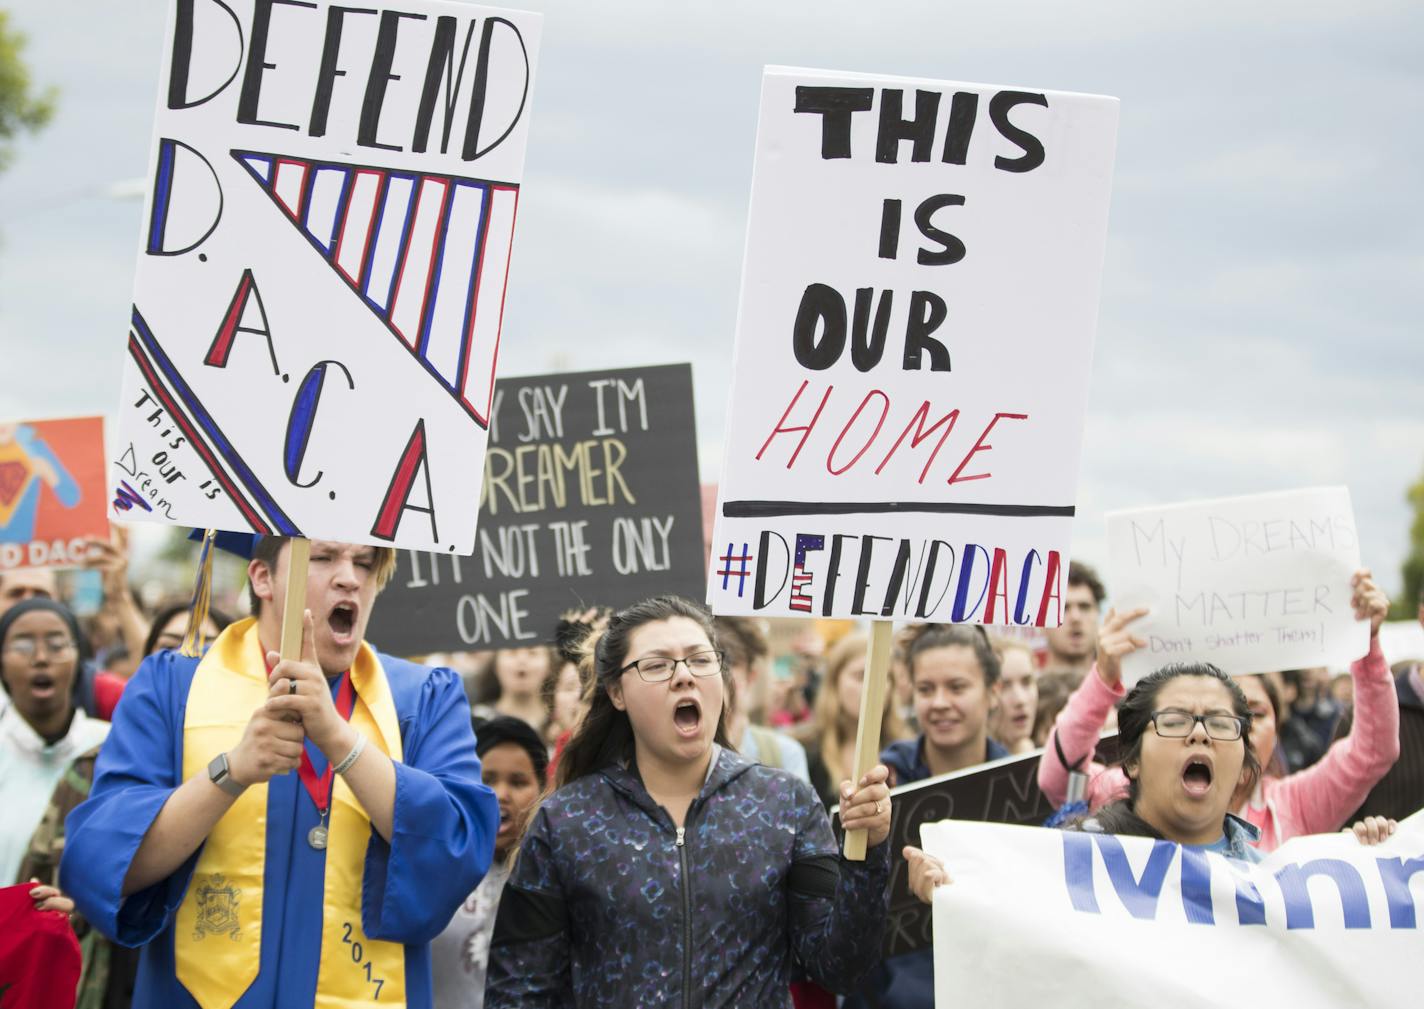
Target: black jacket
point(611, 905)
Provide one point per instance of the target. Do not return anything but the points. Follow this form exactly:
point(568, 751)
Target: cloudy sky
point(1264, 285)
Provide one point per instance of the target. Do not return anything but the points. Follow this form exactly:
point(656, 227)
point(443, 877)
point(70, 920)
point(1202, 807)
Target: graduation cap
point(239, 544)
point(242, 545)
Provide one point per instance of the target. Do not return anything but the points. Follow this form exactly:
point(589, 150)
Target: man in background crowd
point(1074, 644)
point(19, 584)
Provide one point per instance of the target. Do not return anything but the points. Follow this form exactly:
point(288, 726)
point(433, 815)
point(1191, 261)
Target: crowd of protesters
point(654, 771)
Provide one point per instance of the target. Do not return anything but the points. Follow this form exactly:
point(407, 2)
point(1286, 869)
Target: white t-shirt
point(29, 772)
point(460, 954)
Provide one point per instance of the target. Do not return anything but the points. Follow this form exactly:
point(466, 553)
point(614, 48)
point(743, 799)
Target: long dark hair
point(1134, 718)
point(605, 736)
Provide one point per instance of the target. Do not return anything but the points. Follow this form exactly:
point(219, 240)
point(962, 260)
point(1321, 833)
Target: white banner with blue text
point(1039, 917)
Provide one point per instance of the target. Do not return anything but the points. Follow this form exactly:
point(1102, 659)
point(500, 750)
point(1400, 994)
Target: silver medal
point(316, 837)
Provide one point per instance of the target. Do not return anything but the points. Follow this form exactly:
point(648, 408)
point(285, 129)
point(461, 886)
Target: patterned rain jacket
point(611, 905)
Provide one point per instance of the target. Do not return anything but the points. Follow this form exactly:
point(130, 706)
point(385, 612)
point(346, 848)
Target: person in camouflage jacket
point(106, 980)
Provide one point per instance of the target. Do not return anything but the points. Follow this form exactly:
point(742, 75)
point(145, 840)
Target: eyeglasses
point(659, 668)
point(170, 642)
point(27, 647)
point(1180, 724)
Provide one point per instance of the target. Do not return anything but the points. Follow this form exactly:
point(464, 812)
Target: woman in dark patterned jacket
point(669, 871)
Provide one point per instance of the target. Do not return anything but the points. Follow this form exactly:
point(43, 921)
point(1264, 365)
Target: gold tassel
point(195, 640)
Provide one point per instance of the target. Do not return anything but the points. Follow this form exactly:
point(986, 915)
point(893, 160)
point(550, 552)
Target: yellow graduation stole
point(218, 939)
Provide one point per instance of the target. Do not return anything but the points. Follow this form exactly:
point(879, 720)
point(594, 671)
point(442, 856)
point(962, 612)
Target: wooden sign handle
point(297, 557)
point(872, 711)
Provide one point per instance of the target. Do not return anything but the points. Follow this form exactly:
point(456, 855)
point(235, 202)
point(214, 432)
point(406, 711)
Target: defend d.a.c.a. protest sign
point(1251, 584)
point(1040, 917)
point(919, 300)
point(320, 285)
point(53, 492)
point(590, 498)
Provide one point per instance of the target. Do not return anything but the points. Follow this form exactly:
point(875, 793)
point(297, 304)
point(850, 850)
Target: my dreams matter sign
point(1250, 584)
point(919, 300)
point(320, 288)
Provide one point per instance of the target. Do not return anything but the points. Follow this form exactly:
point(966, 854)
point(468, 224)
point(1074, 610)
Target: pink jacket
point(1315, 800)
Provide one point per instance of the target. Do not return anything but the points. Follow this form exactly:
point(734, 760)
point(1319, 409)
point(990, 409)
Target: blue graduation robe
point(444, 827)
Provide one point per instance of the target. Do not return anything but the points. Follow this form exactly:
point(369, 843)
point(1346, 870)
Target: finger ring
point(291, 686)
point(878, 810)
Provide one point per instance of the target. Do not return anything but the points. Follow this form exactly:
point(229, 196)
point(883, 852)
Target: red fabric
point(809, 995)
point(320, 788)
point(108, 688)
point(39, 956)
point(559, 745)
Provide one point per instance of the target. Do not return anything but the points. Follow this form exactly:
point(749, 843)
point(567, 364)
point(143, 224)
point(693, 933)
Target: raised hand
point(1115, 641)
point(1368, 600)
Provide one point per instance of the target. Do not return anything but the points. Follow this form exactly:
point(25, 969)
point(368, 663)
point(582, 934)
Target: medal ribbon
point(320, 788)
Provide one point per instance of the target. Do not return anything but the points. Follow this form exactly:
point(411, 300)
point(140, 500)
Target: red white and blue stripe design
point(428, 254)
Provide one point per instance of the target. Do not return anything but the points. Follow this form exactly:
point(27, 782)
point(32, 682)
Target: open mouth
point(506, 820)
point(687, 716)
point(1196, 777)
point(342, 622)
point(42, 686)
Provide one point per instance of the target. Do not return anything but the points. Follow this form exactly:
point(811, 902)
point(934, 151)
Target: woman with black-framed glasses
point(667, 869)
point(1184, 735)
point(1315, 800)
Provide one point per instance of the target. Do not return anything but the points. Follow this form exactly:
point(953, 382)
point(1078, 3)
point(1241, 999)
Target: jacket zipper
point(686, 920)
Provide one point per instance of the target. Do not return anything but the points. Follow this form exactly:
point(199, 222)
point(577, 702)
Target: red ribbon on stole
point(320, 788)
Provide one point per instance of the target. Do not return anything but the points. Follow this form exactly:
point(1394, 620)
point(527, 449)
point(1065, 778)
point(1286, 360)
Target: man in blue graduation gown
point(250, 886)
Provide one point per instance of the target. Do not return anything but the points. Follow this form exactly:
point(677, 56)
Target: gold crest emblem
point(217, 908)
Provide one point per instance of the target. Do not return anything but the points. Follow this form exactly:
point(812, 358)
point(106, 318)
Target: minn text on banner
point(53, 492)
point(590, 497)
point(1101, 919)
point(919, 301)
point(322, 269)
point(1251, 584)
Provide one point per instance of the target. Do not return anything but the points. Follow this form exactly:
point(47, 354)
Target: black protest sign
point(590, 497)
point(1005, 791)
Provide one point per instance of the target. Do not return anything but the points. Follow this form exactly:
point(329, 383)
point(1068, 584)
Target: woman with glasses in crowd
point(41, 729)
point(1316, 800)
point(1184, 734)
point(667, 869)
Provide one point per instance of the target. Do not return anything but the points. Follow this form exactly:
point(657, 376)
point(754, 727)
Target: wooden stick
point(872, 711)
point(296, 607)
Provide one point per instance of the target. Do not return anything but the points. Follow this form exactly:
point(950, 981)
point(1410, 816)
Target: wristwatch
point(220, 775)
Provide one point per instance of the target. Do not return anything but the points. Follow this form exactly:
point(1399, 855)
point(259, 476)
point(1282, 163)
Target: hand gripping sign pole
point(872, 708)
